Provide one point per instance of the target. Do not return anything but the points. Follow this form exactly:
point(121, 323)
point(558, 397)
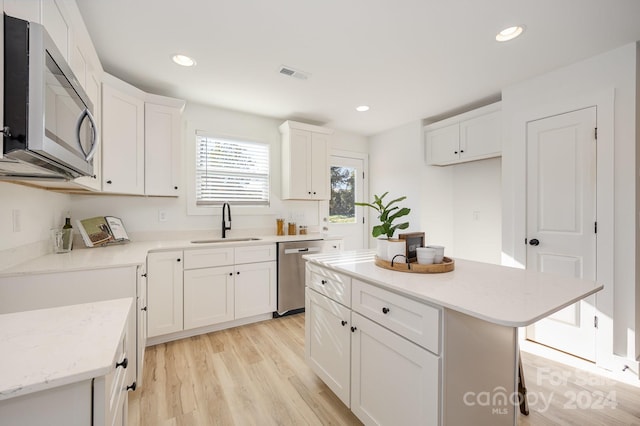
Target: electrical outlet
point(162, 215)
point(17, 225)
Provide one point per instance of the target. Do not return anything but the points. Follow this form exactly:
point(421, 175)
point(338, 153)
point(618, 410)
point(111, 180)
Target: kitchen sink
point(225, 240)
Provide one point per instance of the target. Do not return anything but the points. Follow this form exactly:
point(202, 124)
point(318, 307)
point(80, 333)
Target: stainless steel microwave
point(49, 131)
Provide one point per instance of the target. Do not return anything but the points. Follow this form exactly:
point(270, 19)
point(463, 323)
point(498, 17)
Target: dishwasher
point(291, 267)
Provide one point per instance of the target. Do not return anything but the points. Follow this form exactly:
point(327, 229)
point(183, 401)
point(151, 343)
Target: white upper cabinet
point(54, 19)
point(305, 161)
point(474, 135)
point(122, 137)
point(162, 145)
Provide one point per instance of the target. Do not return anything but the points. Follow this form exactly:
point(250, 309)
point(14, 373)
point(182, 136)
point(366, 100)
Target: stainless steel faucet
point(226, 228)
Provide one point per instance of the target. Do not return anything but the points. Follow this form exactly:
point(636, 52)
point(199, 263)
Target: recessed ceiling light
point(509, 33)
point(183, 60)
point(362, 108)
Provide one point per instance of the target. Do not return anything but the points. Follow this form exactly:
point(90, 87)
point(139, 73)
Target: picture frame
point(413, 240)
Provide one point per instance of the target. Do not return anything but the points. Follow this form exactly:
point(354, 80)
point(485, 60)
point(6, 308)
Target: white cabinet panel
point(474, 135)
point(407, 393)
point(208, 258)
point(122, 140)
point(27, 10)
point(255, 289)
point(208, 296)
point(53, 19)
point(165, 299)
point(162, 147)
point(305, 161)
point(328, 342)
point(252, 254)
point(332, 284)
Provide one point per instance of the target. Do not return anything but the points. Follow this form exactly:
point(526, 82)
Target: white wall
point(608, 81)
point(38, 212)
point(141, 214)
point(442, 199)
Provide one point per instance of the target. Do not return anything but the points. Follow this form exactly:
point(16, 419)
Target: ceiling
point(406, 59)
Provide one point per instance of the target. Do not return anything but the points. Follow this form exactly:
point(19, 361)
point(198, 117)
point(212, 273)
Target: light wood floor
point(256, 375)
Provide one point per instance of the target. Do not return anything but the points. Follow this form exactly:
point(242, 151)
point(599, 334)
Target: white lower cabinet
point(208, 296)
point(393, 381)
point(328, 342)
point(382, 370)
point(206, 287)
point(164, 293)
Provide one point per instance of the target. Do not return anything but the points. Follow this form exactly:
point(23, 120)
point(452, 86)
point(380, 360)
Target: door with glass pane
point(347, 187)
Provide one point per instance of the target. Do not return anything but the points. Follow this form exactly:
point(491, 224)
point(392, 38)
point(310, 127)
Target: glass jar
point(292, 228)
point(303, 229)
point(280, 226)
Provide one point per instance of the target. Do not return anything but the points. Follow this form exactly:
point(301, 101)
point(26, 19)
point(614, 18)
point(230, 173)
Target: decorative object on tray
point(413, 240)
point(102, 230)
point(387, 215)
point(447, 265)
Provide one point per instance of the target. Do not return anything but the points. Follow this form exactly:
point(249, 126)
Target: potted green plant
point(388, 214)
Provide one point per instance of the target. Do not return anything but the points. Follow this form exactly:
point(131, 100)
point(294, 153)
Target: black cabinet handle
point(455, 152)
point(238, 273)
point(143, 309)
point(323, 282)
point(534, 242)
point(175, 187)
point(123, 364)
point(385, 310)
point(132, 387)
point(314, 192)
point(178, 259)
point(461, 151)
point(144, 275)
point(353, 329)
point(109, 182)
point(309, 192)
point(230, 274)
point(343, 322)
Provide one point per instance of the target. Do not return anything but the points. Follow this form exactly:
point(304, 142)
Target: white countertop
point(47, 348)
point(498, 294)
point(133, 253)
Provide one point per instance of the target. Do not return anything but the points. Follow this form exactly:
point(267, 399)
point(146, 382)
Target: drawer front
point(253, 254)
point(413, 320)
point(332, 284)
point(208, 258)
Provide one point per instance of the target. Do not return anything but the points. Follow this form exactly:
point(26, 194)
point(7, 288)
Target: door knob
point(534, 242)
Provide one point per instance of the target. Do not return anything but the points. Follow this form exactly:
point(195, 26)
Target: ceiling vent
point(291, 72)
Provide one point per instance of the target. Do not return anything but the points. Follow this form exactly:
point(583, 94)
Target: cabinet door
point(442, 145)
point(162, 149)
point(393, 381)
point(53, 19)
point(299, 180)
point(327, 346)
point(208, 296)
point(122, 142)
point(480, 137)
point(255, 289)
point(141, 332)
point(319, 166)
point(164, 293)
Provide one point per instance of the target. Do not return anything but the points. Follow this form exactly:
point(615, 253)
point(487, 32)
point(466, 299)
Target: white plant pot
point(394, 248)
point(381, 248)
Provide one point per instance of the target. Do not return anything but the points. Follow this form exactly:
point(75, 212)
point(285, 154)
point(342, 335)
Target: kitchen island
point(410, 348)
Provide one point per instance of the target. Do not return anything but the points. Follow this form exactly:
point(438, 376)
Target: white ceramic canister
point(439, 253)
point(395, 248)
point(425, 255)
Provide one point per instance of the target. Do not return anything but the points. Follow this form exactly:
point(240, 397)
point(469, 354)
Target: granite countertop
point(498, 294)
point(133, 253)
point(47, 348)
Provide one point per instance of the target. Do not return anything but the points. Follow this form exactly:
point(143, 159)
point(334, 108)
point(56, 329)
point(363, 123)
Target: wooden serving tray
point(447, 265)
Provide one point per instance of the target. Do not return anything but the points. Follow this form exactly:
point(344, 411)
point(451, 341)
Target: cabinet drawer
point(253, 254)
point(413, 320)
point(332, 284)
point(208, 258)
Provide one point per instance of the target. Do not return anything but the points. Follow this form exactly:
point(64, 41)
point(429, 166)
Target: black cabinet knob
point(238, 273)
point(178, 260)
point(353, 329)
point(455, 152)
point(323, 282)
point(230, 274)
point(123, 364)
point(343, 322)
point(314, 192)
point(175, 187)
point(144, 275)
point(109, 182)
point(461, 151)
point(385, 310)
point(143, 309)
point(132, 387)
point(534, 242)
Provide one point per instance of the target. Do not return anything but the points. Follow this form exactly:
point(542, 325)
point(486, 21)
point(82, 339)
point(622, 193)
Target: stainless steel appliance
point(291, 267)
point(49, 130)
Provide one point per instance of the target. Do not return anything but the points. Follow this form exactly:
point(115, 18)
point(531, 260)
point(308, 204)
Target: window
point(343, 187)
point(231, 171)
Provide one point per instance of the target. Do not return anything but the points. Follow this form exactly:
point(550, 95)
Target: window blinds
point(231, 171)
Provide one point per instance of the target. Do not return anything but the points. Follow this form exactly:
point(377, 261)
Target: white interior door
point(561, 220)
point(347, 187)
